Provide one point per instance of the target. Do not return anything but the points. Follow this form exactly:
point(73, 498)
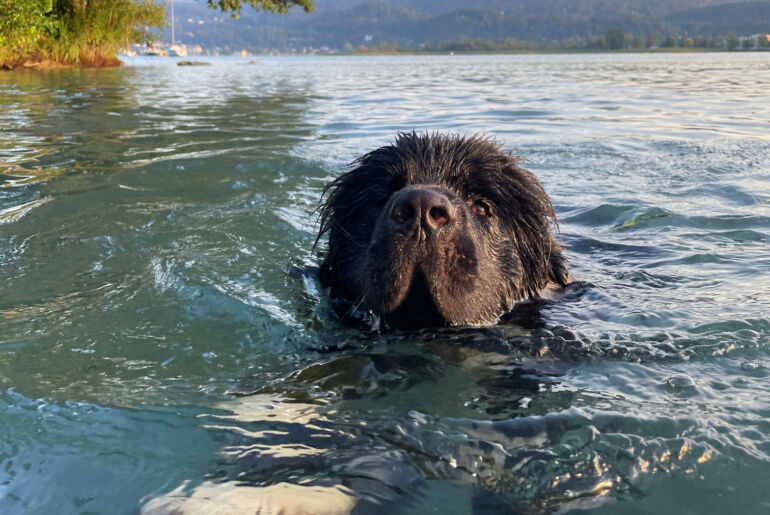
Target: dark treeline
point(617, 39)
point(614, 39)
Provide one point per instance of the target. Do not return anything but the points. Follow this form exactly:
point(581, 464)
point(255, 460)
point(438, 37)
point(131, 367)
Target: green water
point(158, 350)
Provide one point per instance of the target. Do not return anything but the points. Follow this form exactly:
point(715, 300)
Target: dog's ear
point(558, 265)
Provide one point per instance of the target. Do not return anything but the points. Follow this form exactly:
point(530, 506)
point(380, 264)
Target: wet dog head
point(439, 229)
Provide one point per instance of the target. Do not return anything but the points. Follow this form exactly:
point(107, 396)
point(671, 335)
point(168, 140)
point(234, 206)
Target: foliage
point(596, 44)
point(653, 39)
point(74, 31)
point(91, 31)
point(482, 45)
point(462, 45)
point(737, 17)
point(278, 6)
point(22, 25)
point(669, 42)
point(747, 44)
point(614, 39)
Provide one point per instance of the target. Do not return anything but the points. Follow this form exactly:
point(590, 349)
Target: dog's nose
point(428, 207)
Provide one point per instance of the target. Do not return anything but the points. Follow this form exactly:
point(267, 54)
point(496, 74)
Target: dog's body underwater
point(439, 229)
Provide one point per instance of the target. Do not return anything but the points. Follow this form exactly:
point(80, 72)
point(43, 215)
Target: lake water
point(158, 351)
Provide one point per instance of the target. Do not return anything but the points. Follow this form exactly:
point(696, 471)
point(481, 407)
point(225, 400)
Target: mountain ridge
point(346, 24)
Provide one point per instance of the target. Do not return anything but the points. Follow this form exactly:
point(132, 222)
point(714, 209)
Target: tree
point(596, 43)
point(384, 46)
point(670, 42)
point(23, 23)
point(653, 39)
point(614, 39)
point(733, 42)
point(763, 42)
point(748, 43)
point(688, 43)
point(638, 43)
point(278, 6)
point(91, 31)
point(74, 31)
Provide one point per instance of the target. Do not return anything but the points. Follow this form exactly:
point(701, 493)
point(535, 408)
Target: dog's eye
point(481, 208)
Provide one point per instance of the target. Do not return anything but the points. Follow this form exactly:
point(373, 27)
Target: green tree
point(23, 24)
point(748, 43)
point(90, 32)
point(653, 39)
point(614, 39)
point(278, 6)
point(384, 46)
point(596, 43)
point(638, 42)
point(733, 42)
point(669, 42)
point(74, 31)
point(509, 44)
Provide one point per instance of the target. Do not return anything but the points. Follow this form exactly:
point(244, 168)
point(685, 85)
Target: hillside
point(738, 18)
point(587, 8)
point(343, 24)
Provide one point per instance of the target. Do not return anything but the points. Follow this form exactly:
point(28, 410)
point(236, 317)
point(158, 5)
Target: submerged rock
point(193, 63)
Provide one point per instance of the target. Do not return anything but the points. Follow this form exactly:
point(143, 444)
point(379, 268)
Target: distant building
point(178, 50)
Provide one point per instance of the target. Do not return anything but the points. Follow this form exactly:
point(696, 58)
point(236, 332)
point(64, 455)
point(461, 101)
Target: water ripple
point(157, 291)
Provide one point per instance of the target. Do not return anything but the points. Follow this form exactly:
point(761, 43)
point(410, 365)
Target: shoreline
point(544, 51)
point(49, 64)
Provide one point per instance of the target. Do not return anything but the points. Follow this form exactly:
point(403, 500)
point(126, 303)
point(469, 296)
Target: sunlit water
point(158, 350)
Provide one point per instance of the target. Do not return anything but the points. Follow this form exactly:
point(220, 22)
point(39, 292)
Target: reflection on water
point(160, 351)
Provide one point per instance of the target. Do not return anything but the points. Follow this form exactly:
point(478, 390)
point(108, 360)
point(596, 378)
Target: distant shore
point(47, 64)
point(538, 51)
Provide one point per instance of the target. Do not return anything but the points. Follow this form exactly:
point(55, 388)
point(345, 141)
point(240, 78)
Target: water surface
point(157, 349)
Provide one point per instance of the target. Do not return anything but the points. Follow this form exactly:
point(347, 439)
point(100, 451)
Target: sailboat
point(175, 50)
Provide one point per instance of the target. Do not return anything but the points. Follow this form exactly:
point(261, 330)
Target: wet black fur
point(470, 272)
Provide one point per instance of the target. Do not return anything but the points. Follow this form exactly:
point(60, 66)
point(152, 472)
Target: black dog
point(439, 229)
